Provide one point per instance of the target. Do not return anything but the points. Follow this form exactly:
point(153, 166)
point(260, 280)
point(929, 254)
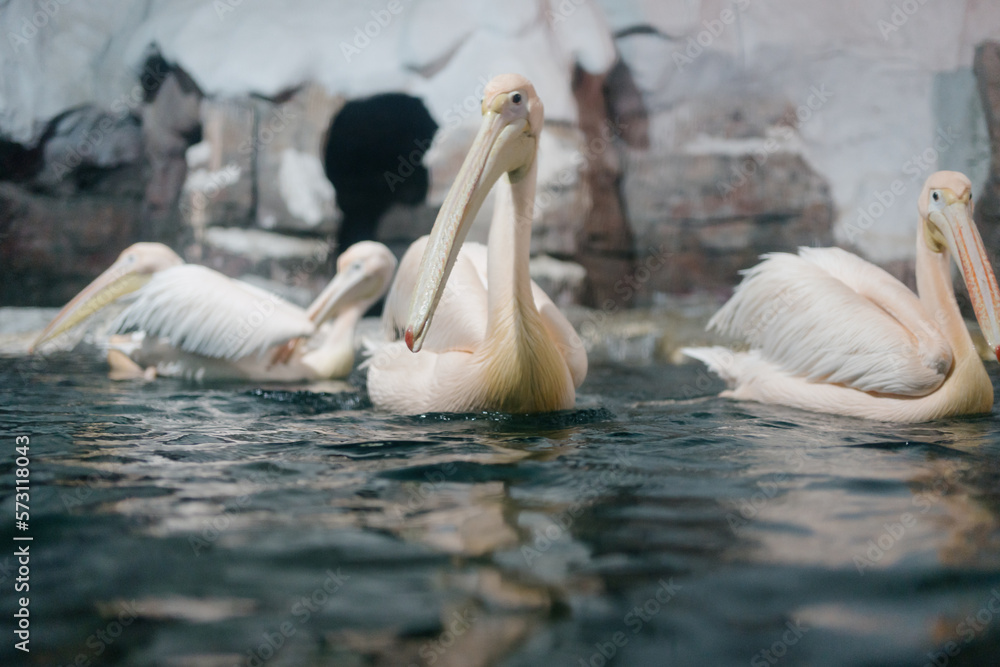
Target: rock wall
point(52, 246)
point(881, 92)
point(233, 106)
point(682, 139)
point(987, 68)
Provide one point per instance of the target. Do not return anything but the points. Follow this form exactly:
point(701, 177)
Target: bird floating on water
point(196, 323)
point(483, 336)
point(830, 332)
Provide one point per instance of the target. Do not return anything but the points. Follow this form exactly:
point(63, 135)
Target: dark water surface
point(174, 524)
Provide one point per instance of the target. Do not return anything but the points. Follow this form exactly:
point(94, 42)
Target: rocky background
point(683, 139)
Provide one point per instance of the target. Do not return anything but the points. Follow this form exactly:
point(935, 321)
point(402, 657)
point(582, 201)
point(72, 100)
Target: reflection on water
point(229, 525)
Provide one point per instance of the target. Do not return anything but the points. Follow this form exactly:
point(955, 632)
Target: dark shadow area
point(373, 157)
point(18, 162)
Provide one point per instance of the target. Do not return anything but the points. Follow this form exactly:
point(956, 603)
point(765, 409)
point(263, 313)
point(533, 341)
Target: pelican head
point(133, 269)
point(506, 144)
point(364, 272)
point(945, 206)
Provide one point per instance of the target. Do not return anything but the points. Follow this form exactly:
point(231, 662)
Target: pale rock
point(889, 91)
point(562, 281)
point(293, 192)
point(561, 197)
point(219, 190)
point(198, 155)
point(305, 189)
point(583, 33)
point(89, 137)
point(258, 245)
point(170, 121)
point(302, 264)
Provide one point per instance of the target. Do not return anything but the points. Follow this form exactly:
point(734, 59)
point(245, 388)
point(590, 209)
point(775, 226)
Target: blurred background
point(682, 138)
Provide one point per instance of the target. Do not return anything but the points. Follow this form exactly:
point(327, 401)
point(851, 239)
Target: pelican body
point(466, 328)
point(830, 332)
point(196, 323)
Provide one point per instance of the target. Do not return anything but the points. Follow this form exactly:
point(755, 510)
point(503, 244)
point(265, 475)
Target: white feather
point(829, 316)
point(203, 312)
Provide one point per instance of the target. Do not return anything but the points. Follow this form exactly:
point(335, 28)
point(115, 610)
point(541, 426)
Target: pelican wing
point(460, 317)
point(829, 316)
point(203, 312)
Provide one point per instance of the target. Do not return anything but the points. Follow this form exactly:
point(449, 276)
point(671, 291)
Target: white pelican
point(197, 323)
point(830, 332)
point(497, 342)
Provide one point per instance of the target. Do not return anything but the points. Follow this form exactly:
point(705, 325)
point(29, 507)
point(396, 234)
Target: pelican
point(199, 324)
point(497, 342)
point(830, 332)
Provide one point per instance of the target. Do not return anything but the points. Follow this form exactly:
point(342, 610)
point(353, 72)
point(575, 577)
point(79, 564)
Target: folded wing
point(829, 316)
point(201, 311)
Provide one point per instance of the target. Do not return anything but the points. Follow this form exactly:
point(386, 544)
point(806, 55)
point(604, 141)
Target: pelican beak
point(341, 292)
point(503, 144)
point(963, 240)
point(363, 275)
point(121, 278)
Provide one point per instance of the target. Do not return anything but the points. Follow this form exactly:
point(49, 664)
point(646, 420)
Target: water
point(206, 526)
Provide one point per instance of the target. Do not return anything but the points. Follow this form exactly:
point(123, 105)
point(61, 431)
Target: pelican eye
point(936, 195)
point(516, 98)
